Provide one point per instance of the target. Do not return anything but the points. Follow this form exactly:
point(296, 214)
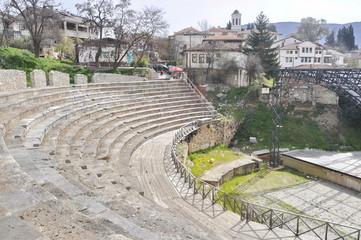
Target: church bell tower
point(236, 21)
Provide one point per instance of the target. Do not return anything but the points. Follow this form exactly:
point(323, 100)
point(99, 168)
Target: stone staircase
point(65, 160)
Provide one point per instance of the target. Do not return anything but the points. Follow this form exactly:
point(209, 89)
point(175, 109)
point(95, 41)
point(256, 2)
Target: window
point(287, 52)
point(306, 49)
point(310, 50)
point(201, 58)
point(309, 59)
point(208, 58)
point(194, 58)
point(291, 52)
point(327, 60)
point(303, 49)
point(302, 59)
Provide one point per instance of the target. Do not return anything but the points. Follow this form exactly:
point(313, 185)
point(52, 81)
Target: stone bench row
point(11, 80)
point(51, 102)
point(30, 93)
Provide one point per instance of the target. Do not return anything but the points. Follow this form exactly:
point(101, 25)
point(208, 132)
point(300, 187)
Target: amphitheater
point(93, 161)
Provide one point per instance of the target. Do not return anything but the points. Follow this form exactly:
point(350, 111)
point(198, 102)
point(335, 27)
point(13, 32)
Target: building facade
point(295, 53)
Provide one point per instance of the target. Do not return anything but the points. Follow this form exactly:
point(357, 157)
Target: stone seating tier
point(73, 145)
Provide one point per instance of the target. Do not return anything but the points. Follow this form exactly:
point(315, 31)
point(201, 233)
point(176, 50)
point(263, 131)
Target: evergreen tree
point(272, 28)
point(249, 26)
point(346, 38)
point(259, 43)
point(229, 25)
point(330, 39)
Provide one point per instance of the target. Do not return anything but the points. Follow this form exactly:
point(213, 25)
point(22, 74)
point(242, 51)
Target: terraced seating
point(73, 145)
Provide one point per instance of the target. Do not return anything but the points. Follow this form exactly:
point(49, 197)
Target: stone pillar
point(80, 79)
point(58, 78)
point(11, 80)
point(38, 78)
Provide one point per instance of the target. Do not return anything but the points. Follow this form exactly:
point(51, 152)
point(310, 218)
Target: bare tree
point(312, 29)
point(253, 67)
point(204, 25)
point(39, 19)
point(136, 30)
point(99, 13)
point(153, 26)
point(6, 20)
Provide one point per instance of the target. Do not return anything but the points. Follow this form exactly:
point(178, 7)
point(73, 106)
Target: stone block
point(12, 227)
point(80, 79)
point(17, 200)
point(58, 78)
point(38, 78)
point(112, 77)
point(11, 80)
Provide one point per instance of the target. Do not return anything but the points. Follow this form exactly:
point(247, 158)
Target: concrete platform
point(340, 168)
point(219, 174)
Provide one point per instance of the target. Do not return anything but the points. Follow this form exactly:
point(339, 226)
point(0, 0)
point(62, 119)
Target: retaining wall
point(322, 172)
point(112, 77)
point(212, 133)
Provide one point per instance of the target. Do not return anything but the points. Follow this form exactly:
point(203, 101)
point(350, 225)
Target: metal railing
point(273, 218)
point(201, 97)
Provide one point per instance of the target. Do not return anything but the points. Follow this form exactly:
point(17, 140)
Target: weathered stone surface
point(11, 80)
point(17, 200)
point(12, 227)
point(80, 79)
point(58, 78)
point(211, 134)
point(38, 78)
point(111, 77)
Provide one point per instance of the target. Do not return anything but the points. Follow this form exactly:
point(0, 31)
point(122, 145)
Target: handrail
point(273, 218)
point(204, 100)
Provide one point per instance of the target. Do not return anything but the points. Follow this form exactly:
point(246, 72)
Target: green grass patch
point(202, 160)
point(273, 180)
point(13, 58)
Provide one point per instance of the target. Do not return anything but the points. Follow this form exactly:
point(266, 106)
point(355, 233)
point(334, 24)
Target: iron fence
point(273, 218)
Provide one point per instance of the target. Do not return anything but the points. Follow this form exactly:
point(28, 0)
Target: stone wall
point(58, 78)
point(38, 78)
point(232, 77)
point(111, 77)
point(80, 79)
point(11, 80)
point(309, 95)
point(212, 133)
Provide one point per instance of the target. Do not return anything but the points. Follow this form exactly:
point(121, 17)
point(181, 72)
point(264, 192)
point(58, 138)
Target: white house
point(216, 61)
point(306, 53)
point(285, 41)
point(184, 39)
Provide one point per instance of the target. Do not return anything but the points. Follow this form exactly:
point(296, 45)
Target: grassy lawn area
point(256, 191)
point(205, 159)
point(272, 180)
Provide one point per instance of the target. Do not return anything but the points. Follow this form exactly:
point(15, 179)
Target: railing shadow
point(214, 201)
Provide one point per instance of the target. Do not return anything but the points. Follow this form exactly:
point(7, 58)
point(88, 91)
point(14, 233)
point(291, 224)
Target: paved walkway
point(172, 193)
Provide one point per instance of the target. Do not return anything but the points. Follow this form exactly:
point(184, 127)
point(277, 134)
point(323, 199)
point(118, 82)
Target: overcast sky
point(185, 13)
